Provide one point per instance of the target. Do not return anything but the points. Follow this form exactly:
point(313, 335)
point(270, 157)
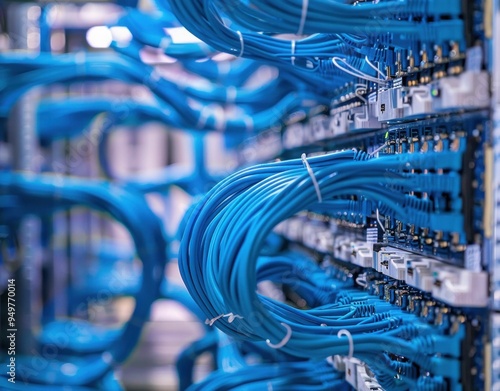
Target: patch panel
point(430, 273)
point(357, 376)
point(434, 260)
point(452, 285)
point(472, 321)
point(436, 291)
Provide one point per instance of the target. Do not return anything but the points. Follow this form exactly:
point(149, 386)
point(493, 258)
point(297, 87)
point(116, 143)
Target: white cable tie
point(80, 62)
point(285, 339)
point(242, 43)
point(305, 6)
point(211, 322)
point(293, 53)
point(313, 177)
point(351, 341)
point(231, 317)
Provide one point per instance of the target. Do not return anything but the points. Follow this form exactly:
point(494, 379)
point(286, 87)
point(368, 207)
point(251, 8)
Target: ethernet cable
point(205, 21)
point(285, 376)
point(193, 181)
point(236, 72)
point(92, 67)
point(32, 387)
point(303, 269)
point(150, 30)
point(186, 359)
point(306, 17)
point(88, 339)
point(24, 194)
point(76, 115)
point(219, 249)
point(233, 371)
point(250, 100)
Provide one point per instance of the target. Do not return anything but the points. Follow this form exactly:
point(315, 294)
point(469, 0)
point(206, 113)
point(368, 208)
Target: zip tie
point(313, 177)
point(152, 78)
point(351, 341)
point(242, 43)
point(293, 53)
point(231, 317)
point(285, 339)
point(211, 322)
point(305, 6)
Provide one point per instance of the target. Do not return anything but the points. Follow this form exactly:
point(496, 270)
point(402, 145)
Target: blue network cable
point(149, 30)
point(386, 24)
point(186, 360)
point(236, 72)
point(285, 376)
point(333, 16)
point(225, 231)
point(59, 69)
point(39, 195)
point(77, 114)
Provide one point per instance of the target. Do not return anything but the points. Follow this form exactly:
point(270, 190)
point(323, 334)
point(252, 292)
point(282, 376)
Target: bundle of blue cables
point(43, 194)
point(223, 235)
point(244, 29)
point(26, 72)
point(77, 114)
point(342, 307)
